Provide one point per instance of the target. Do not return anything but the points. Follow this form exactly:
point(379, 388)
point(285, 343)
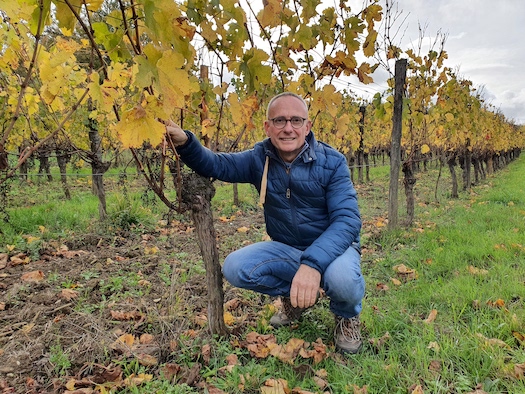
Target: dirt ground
point(74, 309)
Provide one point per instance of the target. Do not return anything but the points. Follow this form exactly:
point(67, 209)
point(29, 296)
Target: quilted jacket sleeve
point(238, 167)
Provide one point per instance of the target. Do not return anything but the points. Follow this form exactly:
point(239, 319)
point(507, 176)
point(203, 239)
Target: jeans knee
point(350, 287)
point(230, 271)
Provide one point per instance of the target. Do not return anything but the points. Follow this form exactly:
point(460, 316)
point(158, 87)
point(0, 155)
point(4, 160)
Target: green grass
point(468, 255)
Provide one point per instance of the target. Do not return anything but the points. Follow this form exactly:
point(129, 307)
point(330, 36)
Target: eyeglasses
point(295, 121)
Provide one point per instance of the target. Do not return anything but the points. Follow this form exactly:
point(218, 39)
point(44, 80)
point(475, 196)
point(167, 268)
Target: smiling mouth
point(287, 139)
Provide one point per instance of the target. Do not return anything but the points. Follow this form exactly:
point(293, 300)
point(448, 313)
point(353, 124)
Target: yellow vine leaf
point(270, 15)
point(66, 18)
point(369, 44)
point(35, 18)
point(304, 38)
point(425, 149)
point(257, 72)
point(342, 123)
point(373, 13)
point(138, 126)
point(207, 127)
point(175, 83)
point(94, 5)
point(18, 9)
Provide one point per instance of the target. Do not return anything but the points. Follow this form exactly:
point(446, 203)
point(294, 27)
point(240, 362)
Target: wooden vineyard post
point(395, 149)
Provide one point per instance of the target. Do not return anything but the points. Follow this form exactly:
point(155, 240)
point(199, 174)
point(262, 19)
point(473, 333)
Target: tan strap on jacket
point(264, 182)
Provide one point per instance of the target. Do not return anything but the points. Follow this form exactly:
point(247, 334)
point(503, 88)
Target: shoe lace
point(349, 329)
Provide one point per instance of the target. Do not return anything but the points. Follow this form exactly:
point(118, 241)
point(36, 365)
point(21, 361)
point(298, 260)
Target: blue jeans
point(269, 267)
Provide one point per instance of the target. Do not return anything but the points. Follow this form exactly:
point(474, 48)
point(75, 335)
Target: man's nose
point(288, 125)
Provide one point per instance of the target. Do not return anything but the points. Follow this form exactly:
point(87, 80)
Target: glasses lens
point(297, 122)
point(279, 122)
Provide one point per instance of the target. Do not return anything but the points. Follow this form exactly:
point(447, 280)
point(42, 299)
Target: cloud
point(483, 43)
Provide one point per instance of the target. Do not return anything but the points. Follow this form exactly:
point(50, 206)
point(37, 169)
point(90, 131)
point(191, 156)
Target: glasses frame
point(288, 120)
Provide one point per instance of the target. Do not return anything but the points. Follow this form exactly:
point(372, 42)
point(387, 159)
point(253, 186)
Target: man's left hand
point(305, 287)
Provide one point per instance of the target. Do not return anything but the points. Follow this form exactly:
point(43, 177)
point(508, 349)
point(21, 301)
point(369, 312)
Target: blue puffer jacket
point(310, 204)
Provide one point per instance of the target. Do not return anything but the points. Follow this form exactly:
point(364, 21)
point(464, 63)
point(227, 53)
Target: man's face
point(288, 140)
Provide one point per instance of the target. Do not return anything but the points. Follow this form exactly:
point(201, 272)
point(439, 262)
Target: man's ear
point(266, 127)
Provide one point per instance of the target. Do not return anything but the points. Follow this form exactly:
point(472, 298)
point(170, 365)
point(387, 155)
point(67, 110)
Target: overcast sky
point(485, 44)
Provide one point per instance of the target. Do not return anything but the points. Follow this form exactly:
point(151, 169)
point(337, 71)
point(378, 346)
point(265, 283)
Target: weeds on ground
point(444, 310)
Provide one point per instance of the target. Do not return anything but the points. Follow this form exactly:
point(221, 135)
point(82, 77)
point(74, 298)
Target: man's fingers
point(302, 297)
point(293, 295)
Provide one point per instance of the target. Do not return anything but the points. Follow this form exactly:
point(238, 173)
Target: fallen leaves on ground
point(33, 276)
point(493, 341)
point(431, 316)
point(405, 273)
point(476, 271)
point(264, 345)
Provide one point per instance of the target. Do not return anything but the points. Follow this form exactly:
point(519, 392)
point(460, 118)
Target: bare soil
point(63, 309)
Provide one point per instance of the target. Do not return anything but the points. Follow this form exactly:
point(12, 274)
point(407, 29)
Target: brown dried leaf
point(232, 304)
point(275, 386)
point(379, 342)
point(360, 390)
point(147, 360)
point(518, 335)
point(499, 303)
point(519, 371)
point(214, 390)
point(232, 359)
point(435, 366)
point(123, 343)
point(395, 281)
point(68, 294)
point(201, 320)
point(136, 380)
point(431, 316)
point(417, 390)
point(124, 316)
point(476, 271)
point(169, 371)
point(63, 251)
point(33, 276)
point(493, 341)
point(321, 383)
point(3, 260)
point(405, 273)
point(206, 353)
point(19, 259)
point(318, 353)
point(146, 339)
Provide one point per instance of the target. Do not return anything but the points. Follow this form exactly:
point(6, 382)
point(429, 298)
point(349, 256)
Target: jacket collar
point(307, 153)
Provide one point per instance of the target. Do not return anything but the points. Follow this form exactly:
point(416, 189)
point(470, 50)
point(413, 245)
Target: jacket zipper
point(288, 191)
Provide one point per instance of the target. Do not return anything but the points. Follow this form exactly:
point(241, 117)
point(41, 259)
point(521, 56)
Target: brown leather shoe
point(287, 314)
point(347, 334)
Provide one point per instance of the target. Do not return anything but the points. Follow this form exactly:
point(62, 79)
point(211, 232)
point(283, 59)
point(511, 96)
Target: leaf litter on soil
point(97, 297)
